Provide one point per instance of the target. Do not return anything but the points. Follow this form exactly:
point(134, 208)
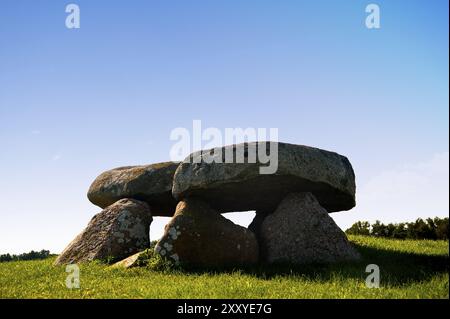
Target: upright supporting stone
point(300, 231)
point(116, 232)
point(200, 236)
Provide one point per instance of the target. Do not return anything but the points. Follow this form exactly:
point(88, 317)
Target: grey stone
point(116, 232)
point(130, 262)
point(198, 235)
point(255, 225)
point(301, 231)
point(232, 187)
point(149, 183)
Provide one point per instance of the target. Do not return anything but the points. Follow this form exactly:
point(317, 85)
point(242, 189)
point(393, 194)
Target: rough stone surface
point(149, 183)
point(129, 262)
point(116, 232)
point(301, 231)
point(255, 225)
point(230, 187)
point(198, 235)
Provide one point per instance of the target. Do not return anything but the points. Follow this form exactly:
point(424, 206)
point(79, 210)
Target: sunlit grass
point(409, 269)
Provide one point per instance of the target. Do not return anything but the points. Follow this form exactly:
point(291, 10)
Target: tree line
point(32, 255)
point(430, 228)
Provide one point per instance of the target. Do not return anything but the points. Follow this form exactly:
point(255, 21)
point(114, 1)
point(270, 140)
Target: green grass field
point(409, 269)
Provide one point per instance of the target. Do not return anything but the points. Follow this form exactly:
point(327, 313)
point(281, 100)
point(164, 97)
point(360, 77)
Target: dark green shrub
point(32, 255)
point(431, 228)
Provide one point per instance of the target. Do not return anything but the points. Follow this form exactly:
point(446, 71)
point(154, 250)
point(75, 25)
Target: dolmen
point(292, 203)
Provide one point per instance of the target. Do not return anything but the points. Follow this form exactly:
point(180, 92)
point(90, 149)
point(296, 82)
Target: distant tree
point(378, 229)
point(5, 257)
point(400, 231)
point(32, 255)
point(431, 228)
point(420, 230)
point(359, 228)
point(389, 230)
point(441, 228)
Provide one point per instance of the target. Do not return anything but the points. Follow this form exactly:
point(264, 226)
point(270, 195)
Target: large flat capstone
point(149, 183)
point(231, 187)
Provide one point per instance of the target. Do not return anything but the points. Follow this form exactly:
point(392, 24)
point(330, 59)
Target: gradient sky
point(74, 103)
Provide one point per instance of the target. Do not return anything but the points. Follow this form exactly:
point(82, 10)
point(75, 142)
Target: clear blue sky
point(74, 103)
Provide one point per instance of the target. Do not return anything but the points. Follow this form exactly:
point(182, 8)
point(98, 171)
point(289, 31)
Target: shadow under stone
point(396, 268)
